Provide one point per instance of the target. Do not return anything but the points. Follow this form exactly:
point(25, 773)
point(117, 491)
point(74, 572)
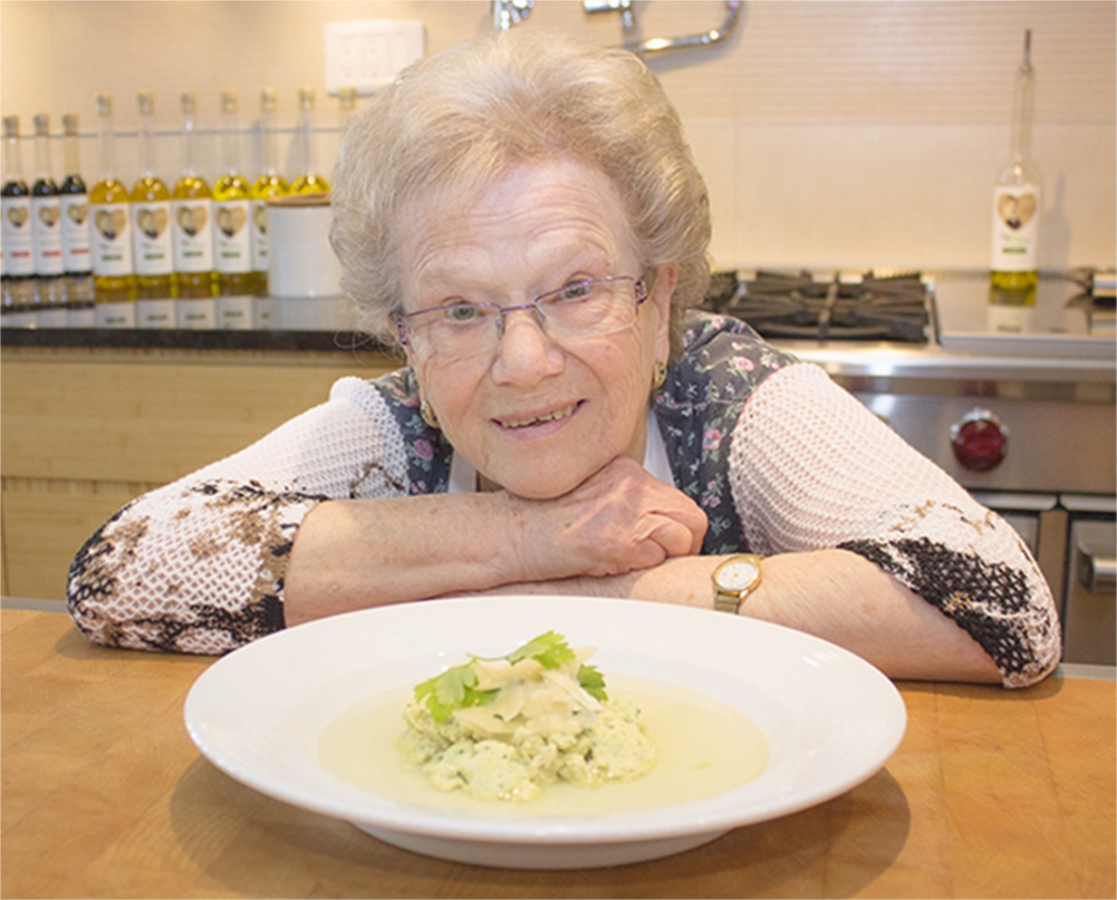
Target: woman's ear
point(666, 278)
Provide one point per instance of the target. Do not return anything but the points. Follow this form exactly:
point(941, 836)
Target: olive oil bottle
point(1016, 214)
point(270, 184)
point(153, 250)
point(309, 182)
point(74, 207)
point(109, 235)
point(192, 229)
point(232, 208)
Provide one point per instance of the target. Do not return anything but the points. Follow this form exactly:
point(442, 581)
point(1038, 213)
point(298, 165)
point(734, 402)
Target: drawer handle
point(1097, 573)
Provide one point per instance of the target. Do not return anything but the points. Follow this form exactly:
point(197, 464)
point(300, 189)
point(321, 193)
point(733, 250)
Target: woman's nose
point(525, 354)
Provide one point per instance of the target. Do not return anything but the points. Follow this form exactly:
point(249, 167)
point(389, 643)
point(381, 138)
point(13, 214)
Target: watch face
point(737, 575)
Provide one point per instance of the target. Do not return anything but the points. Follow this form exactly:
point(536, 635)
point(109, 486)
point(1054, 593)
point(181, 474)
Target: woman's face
point(537, 416)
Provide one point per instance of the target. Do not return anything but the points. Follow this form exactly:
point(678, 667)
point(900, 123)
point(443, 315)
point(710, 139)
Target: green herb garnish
point(456, 688)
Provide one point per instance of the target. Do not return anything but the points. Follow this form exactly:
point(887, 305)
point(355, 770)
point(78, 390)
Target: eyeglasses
point(581, 309)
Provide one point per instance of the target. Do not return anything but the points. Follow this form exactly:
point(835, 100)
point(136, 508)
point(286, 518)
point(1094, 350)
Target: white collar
point(463, 476)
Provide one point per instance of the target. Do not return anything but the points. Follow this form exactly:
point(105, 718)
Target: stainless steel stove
point(1025, 421)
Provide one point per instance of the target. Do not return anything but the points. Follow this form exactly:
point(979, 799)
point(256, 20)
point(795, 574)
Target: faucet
point(507, 13)
point(660, 45)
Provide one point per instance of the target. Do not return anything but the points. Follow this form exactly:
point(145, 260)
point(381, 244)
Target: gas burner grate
point(783, 305)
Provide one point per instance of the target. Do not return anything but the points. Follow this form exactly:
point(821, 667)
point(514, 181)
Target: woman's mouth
point(553, 416)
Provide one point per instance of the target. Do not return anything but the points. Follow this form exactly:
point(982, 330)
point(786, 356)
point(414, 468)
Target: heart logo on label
point(1016, 211)
point(48, 215)
point(230, 219)
point(192, 219)
point(17, 215)
point(152, 222)
point(78, 213)
point(111, 223)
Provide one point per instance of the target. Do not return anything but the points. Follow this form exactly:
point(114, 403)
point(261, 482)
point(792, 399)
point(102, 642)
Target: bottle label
point(19, 256)
point(156, 313)
point(1015, 228)
point(46, 235)
point(196, 314)
point(260, 235)
point(115, 315)
point(233, 236)
point(192, 228)
point(151, 233)
point(235, 312)
point(110, 240)
point(75, 232)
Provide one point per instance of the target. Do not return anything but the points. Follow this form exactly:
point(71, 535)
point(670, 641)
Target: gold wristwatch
point(734, 580)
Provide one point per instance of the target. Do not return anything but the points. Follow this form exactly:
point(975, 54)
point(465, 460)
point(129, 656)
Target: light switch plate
point(368, 54)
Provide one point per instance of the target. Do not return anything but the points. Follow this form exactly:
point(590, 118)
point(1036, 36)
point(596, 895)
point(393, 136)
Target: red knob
point(980, 440)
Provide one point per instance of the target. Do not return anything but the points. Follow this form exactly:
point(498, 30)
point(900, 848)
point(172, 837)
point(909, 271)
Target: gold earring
point(427, 415)
point(659, 375)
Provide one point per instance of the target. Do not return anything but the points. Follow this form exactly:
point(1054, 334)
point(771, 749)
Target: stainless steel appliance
point(1026, 422)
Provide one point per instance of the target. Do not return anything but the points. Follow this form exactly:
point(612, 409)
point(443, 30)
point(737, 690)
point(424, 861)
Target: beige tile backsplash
point(831, 133)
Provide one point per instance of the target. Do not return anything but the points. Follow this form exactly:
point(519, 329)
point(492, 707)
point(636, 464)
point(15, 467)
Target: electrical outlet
point(366, 55)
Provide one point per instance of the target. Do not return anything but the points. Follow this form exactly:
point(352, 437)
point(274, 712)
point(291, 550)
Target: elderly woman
point(523, 215)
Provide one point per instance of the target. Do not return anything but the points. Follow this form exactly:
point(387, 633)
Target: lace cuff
point(128, 586)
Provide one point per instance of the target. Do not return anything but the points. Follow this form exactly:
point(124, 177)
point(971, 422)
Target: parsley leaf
point(453, 689)
point(592, 682)
point(550, 650)
point(456, 688)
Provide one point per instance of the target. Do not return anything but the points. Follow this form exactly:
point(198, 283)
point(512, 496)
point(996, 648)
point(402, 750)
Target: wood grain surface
point(991, 794)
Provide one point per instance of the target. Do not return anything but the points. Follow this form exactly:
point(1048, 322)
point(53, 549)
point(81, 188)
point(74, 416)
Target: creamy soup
point(705, 749)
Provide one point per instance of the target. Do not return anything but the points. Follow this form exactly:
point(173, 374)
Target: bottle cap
point(306, 99)
point(11, 126)
point(70, 124)
point(104, 104)
point(146, 102)
point(267, 100)
point(228, 101)
point(189, 103)
point(42, 125)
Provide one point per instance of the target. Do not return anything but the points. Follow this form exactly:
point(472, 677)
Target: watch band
point(729, 599)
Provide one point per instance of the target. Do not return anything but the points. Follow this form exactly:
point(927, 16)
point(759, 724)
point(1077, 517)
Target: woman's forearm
point(832, 594)
point(362, 553)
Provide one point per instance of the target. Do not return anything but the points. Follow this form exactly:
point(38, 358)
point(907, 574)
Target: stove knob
point(980, 440)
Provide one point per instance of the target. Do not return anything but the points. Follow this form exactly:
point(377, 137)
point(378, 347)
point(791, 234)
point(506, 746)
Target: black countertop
point(181, 339)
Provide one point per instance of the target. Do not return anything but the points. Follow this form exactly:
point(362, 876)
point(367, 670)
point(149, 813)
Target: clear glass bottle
point(109, 237)
point(74, 207)
point(192, 214)
point(232, 209)
point(309, 182)
point(153, 249)
point(270, 184)
point(1017, 197)
point(346, 109)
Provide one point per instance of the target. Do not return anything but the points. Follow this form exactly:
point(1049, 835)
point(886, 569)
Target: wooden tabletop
point(991, 794)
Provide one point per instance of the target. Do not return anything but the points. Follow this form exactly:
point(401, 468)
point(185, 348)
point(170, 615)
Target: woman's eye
point(578, 291)
point(463, 312)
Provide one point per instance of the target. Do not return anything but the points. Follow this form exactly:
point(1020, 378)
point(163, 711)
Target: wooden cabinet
point(84, 430)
